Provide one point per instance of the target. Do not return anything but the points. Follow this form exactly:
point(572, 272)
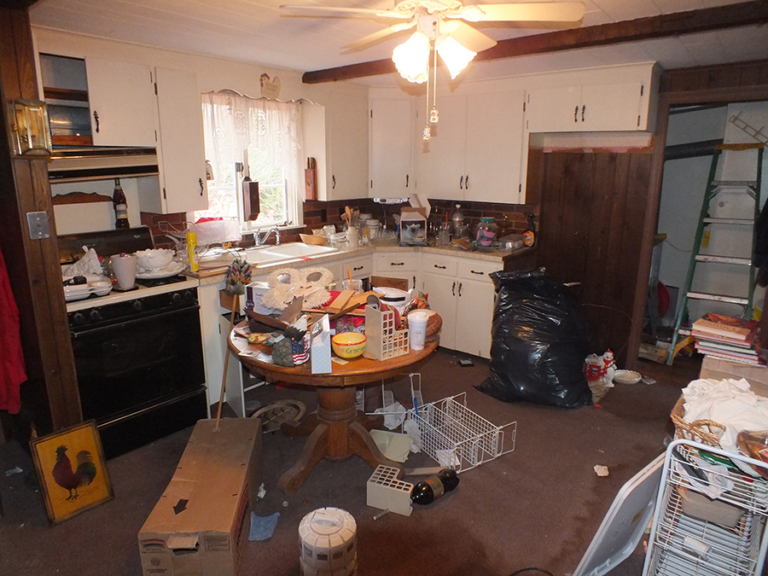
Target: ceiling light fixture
point(412, 57)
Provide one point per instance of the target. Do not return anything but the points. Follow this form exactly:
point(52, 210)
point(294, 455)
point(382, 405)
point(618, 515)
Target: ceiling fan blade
point(375, 14)
point(524, 12)
point(467, 36)
point(377, 36)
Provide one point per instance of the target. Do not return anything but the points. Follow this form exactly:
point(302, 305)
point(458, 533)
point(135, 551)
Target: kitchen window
point(256, 138)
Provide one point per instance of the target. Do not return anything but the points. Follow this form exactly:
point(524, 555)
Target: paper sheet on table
point(394, 446)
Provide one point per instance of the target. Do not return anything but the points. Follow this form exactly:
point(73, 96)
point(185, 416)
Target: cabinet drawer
point(434, 264)
point(477, 269)
point(359, 268)
point(395, 262)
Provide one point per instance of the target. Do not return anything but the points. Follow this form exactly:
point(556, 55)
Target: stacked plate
point(175, 267)
point(98, 285)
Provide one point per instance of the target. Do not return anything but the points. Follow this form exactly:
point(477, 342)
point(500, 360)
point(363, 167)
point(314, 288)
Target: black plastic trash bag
point(540, 341)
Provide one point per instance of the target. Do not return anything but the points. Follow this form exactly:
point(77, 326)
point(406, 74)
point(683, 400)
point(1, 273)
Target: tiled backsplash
point(509, 217)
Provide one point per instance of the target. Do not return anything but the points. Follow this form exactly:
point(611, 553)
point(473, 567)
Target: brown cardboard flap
point(183, 541)
point(410, 210)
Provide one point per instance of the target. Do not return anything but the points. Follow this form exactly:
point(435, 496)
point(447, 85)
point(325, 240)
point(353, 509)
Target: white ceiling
point(258, 31)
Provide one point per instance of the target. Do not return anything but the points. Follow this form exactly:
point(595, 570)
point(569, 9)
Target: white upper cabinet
point(475, 151)
point(588, 108)
point(440, 161)
point(122, 102)
point(181, 148)
point(598, 100)
point(390, 169)
point(336, 136)
point(494, 147)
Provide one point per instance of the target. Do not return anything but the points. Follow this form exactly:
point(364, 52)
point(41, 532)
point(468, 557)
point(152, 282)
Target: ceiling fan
point(442, 24)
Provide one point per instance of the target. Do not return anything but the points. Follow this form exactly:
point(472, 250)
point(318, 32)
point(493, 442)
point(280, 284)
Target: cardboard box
point(413, 226)
point(201, 523)
point(717, 369)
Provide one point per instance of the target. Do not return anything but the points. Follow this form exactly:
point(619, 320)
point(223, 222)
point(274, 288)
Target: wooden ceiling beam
point(663, 26)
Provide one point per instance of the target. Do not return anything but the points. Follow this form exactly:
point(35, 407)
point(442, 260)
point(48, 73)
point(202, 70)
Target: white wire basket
point(456, 437)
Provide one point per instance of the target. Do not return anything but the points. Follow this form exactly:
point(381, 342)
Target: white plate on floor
point(171, 270)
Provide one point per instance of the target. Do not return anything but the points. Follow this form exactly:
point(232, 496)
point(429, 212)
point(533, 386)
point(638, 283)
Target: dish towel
point(12, 371)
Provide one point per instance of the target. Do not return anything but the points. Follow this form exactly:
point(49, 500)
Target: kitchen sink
point(299, 249)
point(284, 252)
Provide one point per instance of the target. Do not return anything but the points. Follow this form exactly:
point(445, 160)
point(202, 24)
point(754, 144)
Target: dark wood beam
point(664, 26)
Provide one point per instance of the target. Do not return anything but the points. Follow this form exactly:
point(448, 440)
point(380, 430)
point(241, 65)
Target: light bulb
point(412, 58)
point(455, 56)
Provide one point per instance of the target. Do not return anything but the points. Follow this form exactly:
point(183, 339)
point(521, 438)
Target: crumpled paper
point(88, 264)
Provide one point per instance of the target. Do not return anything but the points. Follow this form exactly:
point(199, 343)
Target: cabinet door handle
point(333, 180)
point(96, 119)
point(584, 107)
point(414, 281)
point(202, 188)
point(466, 182)
point(356, 268)
point(406, 180)
point(453, 289)
point(476, 272)
point(397, 263)
point(460, 289)
point(461, 183)
point(439, 267)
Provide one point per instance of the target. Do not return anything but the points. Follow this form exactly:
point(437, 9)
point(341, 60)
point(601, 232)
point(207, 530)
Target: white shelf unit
point(456, 437)
point(680, 544)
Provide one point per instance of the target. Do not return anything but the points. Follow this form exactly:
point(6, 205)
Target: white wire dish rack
point(456, 437)
point(721, 536)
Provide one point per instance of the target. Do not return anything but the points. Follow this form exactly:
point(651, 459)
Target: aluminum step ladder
point(714, 186)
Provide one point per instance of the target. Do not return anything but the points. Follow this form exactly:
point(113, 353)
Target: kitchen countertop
point(214, 275)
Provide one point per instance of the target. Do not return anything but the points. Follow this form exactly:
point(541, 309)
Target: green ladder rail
point(751, 187)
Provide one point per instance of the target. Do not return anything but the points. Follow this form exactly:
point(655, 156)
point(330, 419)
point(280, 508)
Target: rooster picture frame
point(72, 472)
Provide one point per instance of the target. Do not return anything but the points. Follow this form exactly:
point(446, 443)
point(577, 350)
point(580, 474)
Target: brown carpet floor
point(538, 506)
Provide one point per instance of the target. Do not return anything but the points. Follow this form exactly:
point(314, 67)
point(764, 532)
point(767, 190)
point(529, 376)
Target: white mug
point(124, 269)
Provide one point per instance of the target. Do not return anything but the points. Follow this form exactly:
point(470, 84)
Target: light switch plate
point(37, 222)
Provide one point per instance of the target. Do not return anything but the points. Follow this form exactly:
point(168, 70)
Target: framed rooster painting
point(71, 468)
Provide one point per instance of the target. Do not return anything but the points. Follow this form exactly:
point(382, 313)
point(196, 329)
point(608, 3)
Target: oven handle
point(91, 331)
point(166, 402)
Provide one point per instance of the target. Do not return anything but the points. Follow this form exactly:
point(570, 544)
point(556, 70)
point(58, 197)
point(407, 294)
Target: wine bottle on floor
point(433, 487)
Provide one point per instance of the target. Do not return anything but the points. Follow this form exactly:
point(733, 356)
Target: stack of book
point(728, 338)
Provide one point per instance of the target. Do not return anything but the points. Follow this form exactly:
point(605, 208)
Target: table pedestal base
point(336, 432)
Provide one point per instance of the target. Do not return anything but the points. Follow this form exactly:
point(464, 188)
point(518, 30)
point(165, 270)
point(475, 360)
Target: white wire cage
point(682, 544)
point(458, 438)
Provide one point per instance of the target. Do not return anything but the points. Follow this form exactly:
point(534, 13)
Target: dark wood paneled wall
point(592, 207)
point(50, 395)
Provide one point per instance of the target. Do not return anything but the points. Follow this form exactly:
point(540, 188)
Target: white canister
point(352, 239)
point(124, 269)
point(417, 324)
point(328, 543)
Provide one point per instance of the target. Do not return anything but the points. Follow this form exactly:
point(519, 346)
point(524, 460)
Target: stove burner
point(161, 281)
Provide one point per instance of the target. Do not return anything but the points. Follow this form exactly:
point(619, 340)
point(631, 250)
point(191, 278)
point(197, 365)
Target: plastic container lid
point(487, 219)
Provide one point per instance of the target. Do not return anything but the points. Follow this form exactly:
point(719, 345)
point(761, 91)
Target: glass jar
point(374, 227)
point(485, 233)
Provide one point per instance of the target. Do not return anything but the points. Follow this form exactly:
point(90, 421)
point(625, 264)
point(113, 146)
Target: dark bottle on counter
point(121, 206)
point(433, 487)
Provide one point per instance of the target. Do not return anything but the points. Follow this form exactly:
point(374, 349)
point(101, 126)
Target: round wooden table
point(337, 430)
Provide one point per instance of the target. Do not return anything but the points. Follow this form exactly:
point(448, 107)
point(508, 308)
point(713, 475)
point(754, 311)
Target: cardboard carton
point(201, 523)
point(413, 226)
point(717, 369)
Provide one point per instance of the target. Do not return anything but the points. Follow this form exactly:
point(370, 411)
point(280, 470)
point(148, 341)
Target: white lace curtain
point(234, 123)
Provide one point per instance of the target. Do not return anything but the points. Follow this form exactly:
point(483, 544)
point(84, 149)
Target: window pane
point(272, 193)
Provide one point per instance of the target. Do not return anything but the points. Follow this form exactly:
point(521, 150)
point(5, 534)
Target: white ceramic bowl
point(156, 259)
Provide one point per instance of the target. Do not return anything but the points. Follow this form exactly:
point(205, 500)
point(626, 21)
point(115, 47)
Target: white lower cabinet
point(461, 292)
point(403, 265)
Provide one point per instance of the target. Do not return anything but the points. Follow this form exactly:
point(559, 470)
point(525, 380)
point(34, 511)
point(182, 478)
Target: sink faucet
point(260, 240)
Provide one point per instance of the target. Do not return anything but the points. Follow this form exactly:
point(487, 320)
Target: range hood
point(101, 163)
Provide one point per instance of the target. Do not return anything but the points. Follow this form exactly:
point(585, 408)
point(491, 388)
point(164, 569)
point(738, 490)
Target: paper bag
point(320, 350)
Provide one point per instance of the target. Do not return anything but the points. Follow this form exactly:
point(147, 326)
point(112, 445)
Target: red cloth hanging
point(12, 372)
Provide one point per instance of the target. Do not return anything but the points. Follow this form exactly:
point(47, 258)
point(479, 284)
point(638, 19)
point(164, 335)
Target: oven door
point(134, 364)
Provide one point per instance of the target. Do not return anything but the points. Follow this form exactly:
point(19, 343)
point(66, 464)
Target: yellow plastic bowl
point(348, 344)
